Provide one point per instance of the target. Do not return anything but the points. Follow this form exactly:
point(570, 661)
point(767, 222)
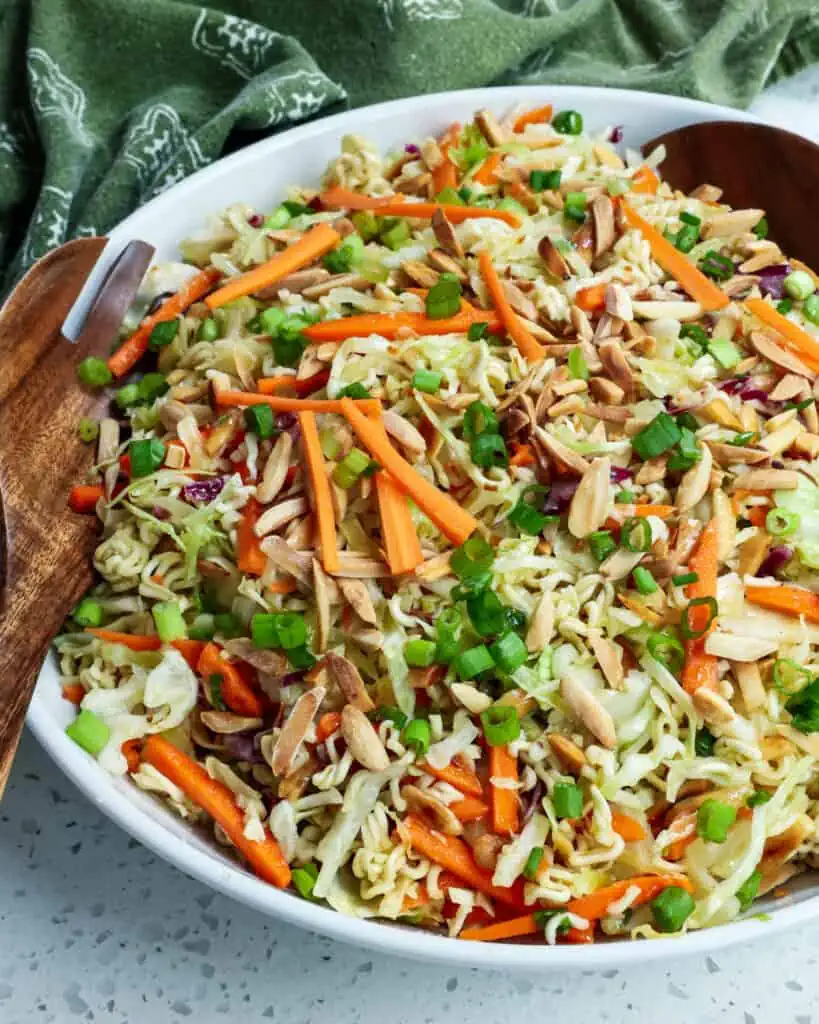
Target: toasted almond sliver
point(620, 563)
point(553, 258)
point(780, 440)
point(567, 752)
point(471, 697)
point(404, 432)
point(420, 273)
point(730, 223)
point(283, 557)
point(275, 469)
point(719, 412)
point(587, 511)
point(652, 470)
point(295, 728)
point(750, 684)
point(768, 480)
point(726, 524)
point(607, 413)
point(362, 740)
point(446, 264)
point(541, 625)
point(752, 553)
point(606, 390)
point(778, 355)
point(358, 568)
point(321, 591)
point(494, 133)
point(616, 364)
point(602, 211)
point(317, 291)
point(349, 681)
point(694, 484)
point(618, 302)
point(738, 648)
point(576, 463)
point(226, 723)
point(444, 820)
point(609, 657)
point(713, 708)
point(588, 710)
point(731, 454)
point(435, 568)
point(445, 235)
point(356, 594)
point(277, 515)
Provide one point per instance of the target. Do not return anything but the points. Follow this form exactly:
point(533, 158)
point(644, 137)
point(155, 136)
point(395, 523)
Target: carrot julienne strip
point(84, 497)
point(540, 115)
point(390, 206)
point(445, 174)
point(528, 347)
point(645, 181)
point(505, 805)
point(250, 557)
point(806, 346)
point(486, 174)
point(391, 325)
point(325, 515)
point(281, 404)
point(596, 904)
point(236, 693)
point(457, 776)
point(700, 668)
point(512, 929)
point(306, 386)
point(786, 600)
point(401, 542)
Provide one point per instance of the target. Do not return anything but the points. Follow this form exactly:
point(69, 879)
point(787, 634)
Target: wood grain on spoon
point(45, 550)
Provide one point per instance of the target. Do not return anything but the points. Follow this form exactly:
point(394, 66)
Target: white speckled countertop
point(95, 928)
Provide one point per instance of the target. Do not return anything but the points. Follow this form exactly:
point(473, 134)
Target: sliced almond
point(749, 679)
point(541, 625)
point(520, 700)
point(607, 157)
point(358, 596)
point(492, 130)
point(581, 324)
point(295, 729)
point(282, 556)
point(445, 235)
point(321, 592)
point(719, 412)
point(576, 463)
point(372, 638)
point(607, 413)
point(606, 391)
point(731, 454)
point(272, 663)
point(706, 193)
point(752, 553)
point(226, 723)
point(518, 301)
point(620, 563)
point(435, 568)
point(442, 818)
point(447, 265)
point(589, 711)
point(486, 849)
point(471, 697)
point(602, 212)
point(652, 470)
point(780, 440)
point(275, 469)
point(726, 524)
point(640, 608)
point(609, 658)
point(768, 480)
point(778, 355)
point(404, 432)
point(679, 310)
point(694, 484)
point(420, 273)
point(568, 387)
point(318, 291)
point(431, 154)
point(614, 360)
point(293, 785)
point(553, 258)
point(713, 708)
point(362, 740)
point(346, 676)
point(278, 515)
point(738, 648)
point(295, 283)
point(571, 757)
point(587, 511)
point(734, 222)
point(618, 302)
point(359, 568)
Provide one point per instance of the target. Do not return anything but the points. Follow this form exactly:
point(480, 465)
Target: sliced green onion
point(660, 435)
point(501, 724)
point(260, 420)
point(749, 890)
point(601, 544)
point(355, 391)
point(449, 196)
point(688, 452)
point(270, 320)
point(515, 619)
point(477, 331)
point(740, 440)
point(664, 647)
point(387, 714)
point(471, 663)
point(488, 451)
point(567, 800)
point(479, 419)
point(716, 266)
point(417, 736)
point(761, 229)
point(428, 381)
point(163, 334)
point(539, 181)
point(276, 220)
point(300, 658)
point(810, 309)
point(672, 908)
point(472, 558)
point(686, 238)
point(347, 472)
point(686, 421)
point(689, 218)
point(644, 581)
point(89, 732)
point(146, 455)
point(574, 206)
point(88, 613)
point(127, 396)
point(525, 516)
point(799, 285)
point(304, 879)
point(169, 621)
point(366, 224)
point(444, 297)
point(533, 862)
point(758, 798)
point(695, 333)
point(94, 373)
point(635, 534)
point(152, 385)
point(486, 612)
point(704, 741)
point(208, 330)
point(395, 233)
point(578, 369)
point(804, 706)
point(568, 122)
point(88, 430)
point(687, 627)
point(784, 306)
point(714, 819)
point(509, 651)
point(228, 625)
point(419, 653)
point(782, 522)
point(278, 629)
point(625, 498)
point(447, 629)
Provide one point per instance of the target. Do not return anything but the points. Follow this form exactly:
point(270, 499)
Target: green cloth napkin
point(104, 103)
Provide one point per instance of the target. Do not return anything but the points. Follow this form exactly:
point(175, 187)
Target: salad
point(459, 541)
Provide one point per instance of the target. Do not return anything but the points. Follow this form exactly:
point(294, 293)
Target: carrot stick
point(282, 587)
point(676, 264)
point(526, 344)
point(298, 405)
point(250, 557)
point(216, 799)
point(523, 455)
point(133, 641)
point(391, 206)
point(130, 751)
point(645, 181)
point(540, 115)
point(596, 904)
point(454, 855)
point(806, 346)
point(401, 542)
point(272, 385)
point(700, 668)
point(469, 809)
point(310, 247)
point(191, 650)
point(445, 174)
point(133, 348)
point(511, 929)
point(463, 779)
point(327, 725)
point(84, 497)
point(757, 515)
point(591, 298)
point(322, 500)
point(486, 174)
point(627, 828)
point(236, 693)
point(391, 325)
point(786, 600)
point(74, 693)
point(641, 511)
point(505, 806)
point(455, 523)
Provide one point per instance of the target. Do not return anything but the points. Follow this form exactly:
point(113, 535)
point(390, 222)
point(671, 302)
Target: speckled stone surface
point(95, 928)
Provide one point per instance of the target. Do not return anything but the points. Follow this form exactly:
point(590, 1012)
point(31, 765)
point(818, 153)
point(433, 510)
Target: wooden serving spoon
point(45, 550)
point(755, 165)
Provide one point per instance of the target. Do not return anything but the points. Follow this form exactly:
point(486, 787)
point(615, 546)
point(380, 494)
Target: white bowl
point(258, 175)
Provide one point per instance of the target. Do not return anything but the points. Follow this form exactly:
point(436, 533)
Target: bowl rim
point(233, 880)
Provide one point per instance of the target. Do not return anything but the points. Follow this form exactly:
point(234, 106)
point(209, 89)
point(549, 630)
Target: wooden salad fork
point(45, 550)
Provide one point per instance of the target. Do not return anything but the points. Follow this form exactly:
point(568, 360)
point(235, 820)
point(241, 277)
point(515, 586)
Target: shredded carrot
point(131, 752)
point(454, 855)
point(327, 725)
point(540, 115)
point(786, 600)
point(282, 587)
point(591, 298)
point(272, 385)
point(427, 677)
point(487, 174)
point(455, 523)
point(312, 245)
point(391, 325)
point(191, 650)
point(805, 346)
point(661, 511)
point(463, 779)
point(403, 549)
point(677, 264)
point(757, 515)
point(445, 174)
point(414, 902)
point(392, 206)
point(236, 693)
point(505, 805)
point(522, 455)
point(74, 693)
point(216, 799)
point(528, 347)
point(133, 641)
point(511, 929)
point(297, 405)
point(84, 497)
point(596, 904)
point(645, 181)
point(132, 350)
point(250, 557)
point(469, 809)
point(627, 828)
point(322, 499)
point(700, 668)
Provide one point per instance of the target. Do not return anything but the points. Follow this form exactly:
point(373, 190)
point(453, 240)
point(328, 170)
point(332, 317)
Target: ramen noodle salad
point(459, 537)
